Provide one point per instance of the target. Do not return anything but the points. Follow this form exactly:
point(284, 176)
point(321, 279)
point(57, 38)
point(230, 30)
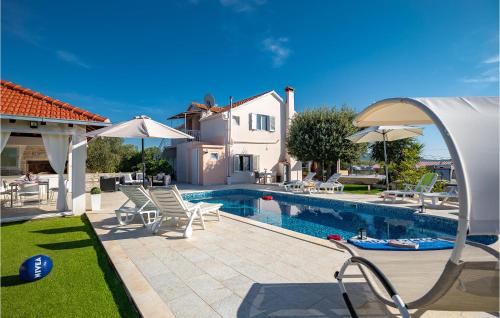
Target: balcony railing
point(194, 133)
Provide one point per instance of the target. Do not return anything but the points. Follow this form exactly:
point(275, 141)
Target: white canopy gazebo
point(29, 118)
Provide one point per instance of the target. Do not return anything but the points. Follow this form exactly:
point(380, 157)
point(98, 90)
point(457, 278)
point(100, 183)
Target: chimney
point(289, 106)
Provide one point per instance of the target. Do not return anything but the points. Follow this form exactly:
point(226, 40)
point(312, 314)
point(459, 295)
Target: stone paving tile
point(194, 255)
point(173, 290)
point(233, 306)
point(209, 289)
point(300, 295)
point(217, 269)
point(256, 272)
point(151, 266)
point(240, 285)
point(225, 256)
point(183, 268)
point(191, 306)
point(165, 253)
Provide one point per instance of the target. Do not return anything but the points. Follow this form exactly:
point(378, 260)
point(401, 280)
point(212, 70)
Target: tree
point(130, 158)
point(402, 157)
point(395, 150)
point(104, 154)
point(320, 135)
point(154, 163)
point(111, 155)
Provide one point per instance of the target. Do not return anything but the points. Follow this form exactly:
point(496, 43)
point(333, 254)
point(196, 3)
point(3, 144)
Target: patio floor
point(231, 269)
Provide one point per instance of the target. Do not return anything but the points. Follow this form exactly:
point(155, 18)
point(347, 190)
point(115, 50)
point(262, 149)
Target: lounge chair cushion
point(424, 244)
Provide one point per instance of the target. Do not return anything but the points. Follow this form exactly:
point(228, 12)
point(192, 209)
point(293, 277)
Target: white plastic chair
point(127, 179)
point(5, 192)
point(28, 190)
point(54, 187)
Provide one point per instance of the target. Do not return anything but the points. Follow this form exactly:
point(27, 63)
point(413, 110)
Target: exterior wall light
point(33, 124)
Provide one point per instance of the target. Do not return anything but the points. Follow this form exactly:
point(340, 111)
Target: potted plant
point(95, 198)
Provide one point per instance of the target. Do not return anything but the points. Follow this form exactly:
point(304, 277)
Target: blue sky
point(122, 58)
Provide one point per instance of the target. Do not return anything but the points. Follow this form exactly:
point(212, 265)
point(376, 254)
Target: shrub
point(95, 190)
point(440, 186)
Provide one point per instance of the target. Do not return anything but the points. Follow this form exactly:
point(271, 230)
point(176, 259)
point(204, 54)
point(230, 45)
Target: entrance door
point(195, 166)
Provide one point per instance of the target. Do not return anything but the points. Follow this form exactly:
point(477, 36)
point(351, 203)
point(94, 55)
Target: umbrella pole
point(385, 163)
point(143, 164)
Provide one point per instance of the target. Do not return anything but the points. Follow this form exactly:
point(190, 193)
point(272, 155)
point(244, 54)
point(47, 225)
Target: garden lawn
point(82, 282)
point(360, 189)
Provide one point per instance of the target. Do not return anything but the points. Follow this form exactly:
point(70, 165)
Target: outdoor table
point(16, 184)
point(265, 174)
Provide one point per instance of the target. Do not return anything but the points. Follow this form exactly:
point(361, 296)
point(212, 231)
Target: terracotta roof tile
point(240, 102)
point(19, 101)
point(214, 109)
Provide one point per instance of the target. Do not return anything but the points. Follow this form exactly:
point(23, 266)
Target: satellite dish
point(209, 100)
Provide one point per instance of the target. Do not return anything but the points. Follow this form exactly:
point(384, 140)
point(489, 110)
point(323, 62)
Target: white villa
point(252, 144)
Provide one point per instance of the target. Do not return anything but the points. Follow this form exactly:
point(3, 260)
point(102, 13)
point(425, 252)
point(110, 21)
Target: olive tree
point(320, 135)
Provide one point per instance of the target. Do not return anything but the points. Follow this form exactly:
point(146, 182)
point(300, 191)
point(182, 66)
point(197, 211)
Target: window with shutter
point(272, 123)
point(253, 121)
point(255, 163)
point(236, 163)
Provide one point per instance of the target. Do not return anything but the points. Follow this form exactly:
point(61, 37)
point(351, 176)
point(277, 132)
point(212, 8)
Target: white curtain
point(4, 138)
point(57, 147)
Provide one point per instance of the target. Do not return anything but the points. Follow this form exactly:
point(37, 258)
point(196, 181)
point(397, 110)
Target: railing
point(194, 133)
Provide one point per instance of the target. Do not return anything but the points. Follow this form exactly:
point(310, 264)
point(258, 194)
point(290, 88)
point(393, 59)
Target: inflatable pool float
point(415, 244)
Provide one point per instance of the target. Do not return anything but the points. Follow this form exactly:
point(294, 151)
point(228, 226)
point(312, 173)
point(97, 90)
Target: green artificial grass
point(82, 282)
point(360, 189)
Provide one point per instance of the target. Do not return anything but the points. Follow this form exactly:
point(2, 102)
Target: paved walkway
point(231, 269)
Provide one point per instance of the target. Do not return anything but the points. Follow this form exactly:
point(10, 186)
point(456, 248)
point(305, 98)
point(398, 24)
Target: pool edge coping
point(283, 231)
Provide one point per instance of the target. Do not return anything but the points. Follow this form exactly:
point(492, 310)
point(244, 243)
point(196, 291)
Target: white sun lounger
point(171, 205)
point(445, 196)
point(331, 184)
point(206, 208)
point(425, 185)
point(298, 185)
point(143, 206)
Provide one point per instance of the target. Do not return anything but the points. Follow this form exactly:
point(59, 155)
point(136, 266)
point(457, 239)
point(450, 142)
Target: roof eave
point(57, 120)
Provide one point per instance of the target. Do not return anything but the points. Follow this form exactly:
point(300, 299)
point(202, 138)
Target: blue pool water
point(321, 217)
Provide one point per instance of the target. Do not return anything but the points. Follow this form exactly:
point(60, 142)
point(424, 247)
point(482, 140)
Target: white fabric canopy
point(139, 127)
point(384, 134)
point(56, 147)
point(376, 133)
point(4, 138)
point(470, 128)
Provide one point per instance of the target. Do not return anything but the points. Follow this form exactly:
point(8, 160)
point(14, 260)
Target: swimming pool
point(320, 217)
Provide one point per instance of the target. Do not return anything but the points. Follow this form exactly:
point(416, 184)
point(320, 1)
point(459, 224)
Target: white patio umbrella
point(385, 134)
point(140, 127)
